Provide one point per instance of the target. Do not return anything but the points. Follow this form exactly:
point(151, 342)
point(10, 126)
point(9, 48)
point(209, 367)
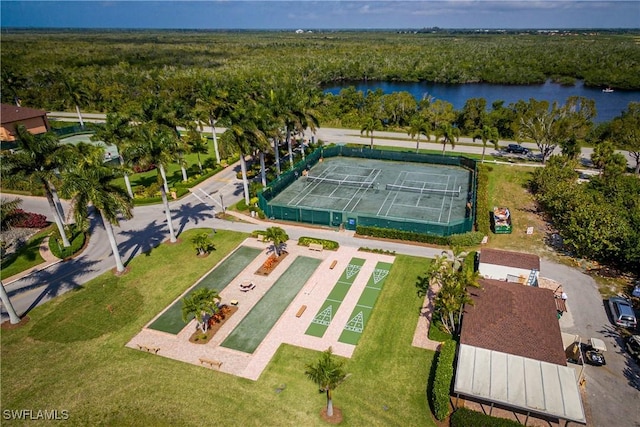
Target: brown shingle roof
point(515, 319)
point(11, 113)
point(510, 259)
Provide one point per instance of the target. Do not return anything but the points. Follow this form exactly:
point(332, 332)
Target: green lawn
point(26, 257)
point(71, 356)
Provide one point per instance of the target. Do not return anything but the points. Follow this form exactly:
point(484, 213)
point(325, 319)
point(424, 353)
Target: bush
point(472, 238)
point(377, 251)
point(464, 417)
point(29, 220)
point(482, 201)
point(390, 233)
point(242, 205)
point(443, 378)
point(329, 245)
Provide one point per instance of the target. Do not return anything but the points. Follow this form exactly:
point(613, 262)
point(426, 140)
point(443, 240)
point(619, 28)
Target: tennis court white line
point(455, 181)
point(393, 202)
point(442, 204)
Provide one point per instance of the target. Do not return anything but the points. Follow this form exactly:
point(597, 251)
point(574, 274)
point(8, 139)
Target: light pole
point(222, 204)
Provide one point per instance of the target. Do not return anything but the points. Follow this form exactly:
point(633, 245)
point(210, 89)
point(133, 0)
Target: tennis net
point(340, 182)
point(424, 190)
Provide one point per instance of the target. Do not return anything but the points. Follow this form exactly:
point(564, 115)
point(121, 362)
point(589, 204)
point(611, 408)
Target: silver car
point(622, 312)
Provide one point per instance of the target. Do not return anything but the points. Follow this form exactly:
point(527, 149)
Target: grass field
point(71, 356)
point(26, 257)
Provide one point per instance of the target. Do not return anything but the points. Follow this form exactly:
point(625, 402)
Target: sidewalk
point(49, 260)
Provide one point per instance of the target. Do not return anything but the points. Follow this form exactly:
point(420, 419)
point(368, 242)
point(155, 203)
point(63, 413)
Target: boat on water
point(607, 90)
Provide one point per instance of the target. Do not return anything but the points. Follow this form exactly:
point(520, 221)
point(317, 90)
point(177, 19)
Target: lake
point(608, 105)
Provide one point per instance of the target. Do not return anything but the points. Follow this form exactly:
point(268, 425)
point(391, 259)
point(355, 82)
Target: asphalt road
point(612, 391)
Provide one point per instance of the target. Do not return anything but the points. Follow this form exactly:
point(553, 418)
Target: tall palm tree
point(117, 131)
point(277, 236)
point(155, 146)
point(76, 94)
point(328, 373)
point(39, 159)
point(13, 316)
point(419, 126)
point(487, 134)
point(449, 135)
point(94, 185)
point(370, 125)
point(197, 144)
point(213, 102)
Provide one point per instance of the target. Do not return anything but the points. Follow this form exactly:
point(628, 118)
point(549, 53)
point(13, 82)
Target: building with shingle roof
point(10, 116)
point(511, 266)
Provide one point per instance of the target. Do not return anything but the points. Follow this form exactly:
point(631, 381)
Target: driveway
point(612, 391)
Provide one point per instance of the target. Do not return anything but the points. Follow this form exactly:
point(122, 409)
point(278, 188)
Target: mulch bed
point(198, 337)
point(7, 326)
point(335, 419)
point(271, 263)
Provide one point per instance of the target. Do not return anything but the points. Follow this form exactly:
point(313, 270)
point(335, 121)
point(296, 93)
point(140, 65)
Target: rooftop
point(11, 113)
point(510, 259)
point(513, 319)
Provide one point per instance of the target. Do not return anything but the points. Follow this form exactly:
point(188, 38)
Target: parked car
point(632, 344)
point(622, 312)
point(517, 149)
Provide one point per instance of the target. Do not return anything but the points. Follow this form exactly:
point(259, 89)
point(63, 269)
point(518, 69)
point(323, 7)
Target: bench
point(212, 363)
point(315, 247)
point(153, 350)
point(561, 305)
point(302, 309)
point(333, 264)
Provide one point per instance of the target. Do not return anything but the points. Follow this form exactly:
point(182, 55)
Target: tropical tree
point(328, 373)
point(202, 243)
point(155, 146)
point(277, 236)
point(213, 102)
point(370, 125)
point(118, 131)
point(487, 134)
point(94, 185)
point(197, 144)
point(417, 127)
point(449, 134)
point(39, 159)
point(6, 302)
point(75, 92)
point(201, 302)
point(8, 214)
point(625, 130)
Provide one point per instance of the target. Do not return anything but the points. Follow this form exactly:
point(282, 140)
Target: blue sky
point(308, 14)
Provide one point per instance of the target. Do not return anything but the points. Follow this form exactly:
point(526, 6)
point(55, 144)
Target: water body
point(608, 105)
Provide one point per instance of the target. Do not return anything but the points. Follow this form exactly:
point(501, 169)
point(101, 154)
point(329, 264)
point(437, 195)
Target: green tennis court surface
point(362, 311)
point(323, 318)
point(255, 326)
point(171, 320)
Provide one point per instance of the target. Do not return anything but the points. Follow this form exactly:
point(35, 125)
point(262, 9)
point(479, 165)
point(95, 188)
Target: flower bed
point(271, 263)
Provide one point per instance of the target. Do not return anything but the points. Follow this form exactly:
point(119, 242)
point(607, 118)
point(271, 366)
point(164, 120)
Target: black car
point(517, 149)
point(632, 344)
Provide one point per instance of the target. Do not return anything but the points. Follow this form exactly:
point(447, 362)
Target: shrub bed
point(329, 245)
point(442, 382)
point(482, 201)
point(29, 220)
point(389, 233)
point(77, 243)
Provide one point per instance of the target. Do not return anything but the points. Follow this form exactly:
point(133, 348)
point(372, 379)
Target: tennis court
point(351, 190)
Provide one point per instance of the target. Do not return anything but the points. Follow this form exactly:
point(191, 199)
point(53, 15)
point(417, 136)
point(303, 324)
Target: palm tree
point(76, 93)
point(39, 158)
point(213, 102)
point(487, 134)
point(197, 144)
point(13, 316)
point(200, 302)
point(370, 125)
point(155, 146)
point(419, 126)
point(94, 185)
point(449, 135)
point(117, 131)
point(8, 214)
point(277, 236)
point(328, 374)
point(202, 243)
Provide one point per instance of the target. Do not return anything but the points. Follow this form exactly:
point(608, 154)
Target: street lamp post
point(222, 204)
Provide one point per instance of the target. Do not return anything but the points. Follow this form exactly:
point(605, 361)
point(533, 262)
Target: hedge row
point(464, 417)
point(329, 245)
point(77, 241)
point(472, 238)
point(443, 378)
point(482, 201)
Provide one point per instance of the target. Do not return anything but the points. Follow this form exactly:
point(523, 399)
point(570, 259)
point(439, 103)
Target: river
point(608, 105)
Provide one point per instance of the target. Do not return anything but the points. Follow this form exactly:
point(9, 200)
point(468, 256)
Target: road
point(613, 391)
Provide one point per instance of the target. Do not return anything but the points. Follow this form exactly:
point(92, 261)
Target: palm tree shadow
point(59, 279)
point(188, 213)
point(142, 240)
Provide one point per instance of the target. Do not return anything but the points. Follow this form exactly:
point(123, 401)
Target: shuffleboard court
point(362, 311)
point(323, 318)
point(255, 326)
point(218, 278)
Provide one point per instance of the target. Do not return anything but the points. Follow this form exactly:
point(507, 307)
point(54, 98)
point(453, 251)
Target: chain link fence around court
point(377, 188)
